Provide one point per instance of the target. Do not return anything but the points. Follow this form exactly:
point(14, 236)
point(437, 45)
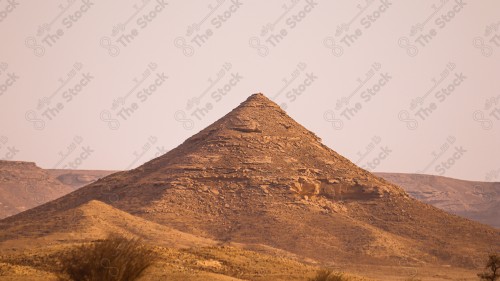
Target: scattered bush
point(115, 258)
point(492, 267)
point(329, 275)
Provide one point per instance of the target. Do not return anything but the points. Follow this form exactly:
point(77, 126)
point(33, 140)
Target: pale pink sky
point(322, 49)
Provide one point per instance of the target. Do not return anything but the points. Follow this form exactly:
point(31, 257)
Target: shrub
point(329, 275)
point(492, 267)
point(115, 258)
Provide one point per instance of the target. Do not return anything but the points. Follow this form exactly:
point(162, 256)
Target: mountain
point(23, 185)
point(257, 178)
point(479, 201)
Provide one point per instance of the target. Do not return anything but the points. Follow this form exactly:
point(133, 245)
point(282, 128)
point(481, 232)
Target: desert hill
point(479, 201)
point(23, 185)
point(91, 221)
point(256, 176)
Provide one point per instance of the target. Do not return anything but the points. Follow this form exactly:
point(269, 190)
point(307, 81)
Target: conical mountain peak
point(256, 144)
point(258, 99)
point(257, 114)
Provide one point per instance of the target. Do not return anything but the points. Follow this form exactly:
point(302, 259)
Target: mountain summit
point(258, 178)
point(257, 145)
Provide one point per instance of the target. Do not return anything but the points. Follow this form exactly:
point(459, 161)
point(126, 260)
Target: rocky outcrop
point(23, 185)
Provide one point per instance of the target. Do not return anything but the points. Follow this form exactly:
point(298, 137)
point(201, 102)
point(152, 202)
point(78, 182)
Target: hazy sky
point(395, 86)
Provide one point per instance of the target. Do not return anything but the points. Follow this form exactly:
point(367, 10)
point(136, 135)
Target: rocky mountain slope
point(479, 201)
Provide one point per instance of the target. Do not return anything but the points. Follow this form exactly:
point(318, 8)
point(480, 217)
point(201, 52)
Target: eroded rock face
point(333, 189)
point(245, 125)
point(307, 186)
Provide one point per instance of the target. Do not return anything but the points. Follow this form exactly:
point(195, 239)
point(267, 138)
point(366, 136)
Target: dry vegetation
point(492, 269)
point(116, 258)
point(330, 275)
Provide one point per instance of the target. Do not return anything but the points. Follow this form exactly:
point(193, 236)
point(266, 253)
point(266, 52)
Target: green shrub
point(115, 258)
